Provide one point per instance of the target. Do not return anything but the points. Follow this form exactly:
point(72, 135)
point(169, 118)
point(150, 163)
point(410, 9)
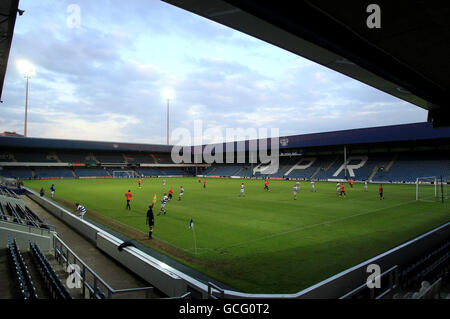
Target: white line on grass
point(310, 226)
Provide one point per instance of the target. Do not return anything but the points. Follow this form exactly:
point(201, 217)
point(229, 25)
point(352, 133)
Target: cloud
point(109, 127)
point(103, 81)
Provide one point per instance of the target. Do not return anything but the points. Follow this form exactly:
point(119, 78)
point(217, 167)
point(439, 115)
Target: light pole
point(168, 121)
point(168, 94)
point(27, 69)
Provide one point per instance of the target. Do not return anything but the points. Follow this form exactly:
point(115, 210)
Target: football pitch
point(265, 242)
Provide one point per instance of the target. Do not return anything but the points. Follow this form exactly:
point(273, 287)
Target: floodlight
point(168, 94)
point(26, 68)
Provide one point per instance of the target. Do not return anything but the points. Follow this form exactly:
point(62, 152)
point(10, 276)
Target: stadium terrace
point(384, 154)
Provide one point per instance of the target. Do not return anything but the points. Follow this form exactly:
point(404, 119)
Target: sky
point(101, 67)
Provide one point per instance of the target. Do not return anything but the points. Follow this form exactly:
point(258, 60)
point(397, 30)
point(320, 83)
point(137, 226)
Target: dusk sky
point(103, 79)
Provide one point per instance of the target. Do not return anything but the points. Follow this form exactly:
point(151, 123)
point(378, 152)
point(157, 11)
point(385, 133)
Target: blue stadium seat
point(55, 285)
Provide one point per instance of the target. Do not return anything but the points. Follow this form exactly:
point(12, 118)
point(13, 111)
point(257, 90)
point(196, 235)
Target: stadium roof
point(407, 57)
point(394, 133)
point(62, 144)
point(8, 13)
point(382, 134)
point(404, 133)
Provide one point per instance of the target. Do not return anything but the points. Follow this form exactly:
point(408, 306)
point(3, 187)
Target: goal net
point(427, 189)
point(125, 174)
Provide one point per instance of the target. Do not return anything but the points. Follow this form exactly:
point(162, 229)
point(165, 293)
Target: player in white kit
point(181, 193)
point(163, 204)
point(313, 186)
point(295, 190)
point(242, 193)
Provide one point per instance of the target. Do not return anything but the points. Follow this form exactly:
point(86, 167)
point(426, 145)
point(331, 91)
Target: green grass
point(265, 242)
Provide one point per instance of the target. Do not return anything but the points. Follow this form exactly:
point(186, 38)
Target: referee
point(150, 221)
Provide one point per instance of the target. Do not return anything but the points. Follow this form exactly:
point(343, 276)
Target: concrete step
point(38, 282)
point(62, 274)
point(8, 285)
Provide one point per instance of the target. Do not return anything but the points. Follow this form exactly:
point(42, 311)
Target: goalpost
point(125, 174)
point(427, 189)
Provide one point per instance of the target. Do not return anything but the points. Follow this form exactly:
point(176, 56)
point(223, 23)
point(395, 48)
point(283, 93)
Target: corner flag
point(191, 225)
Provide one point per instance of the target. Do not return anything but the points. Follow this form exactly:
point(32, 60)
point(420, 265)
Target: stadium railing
point(12, 212)
point(185, 296)
point(13, 217)
point(431, 291)
point(24, 215)
point(211, 295)
point(92, 285)
point(2, 214)
point(424, 267)
point(388, 280)
point(40, 221)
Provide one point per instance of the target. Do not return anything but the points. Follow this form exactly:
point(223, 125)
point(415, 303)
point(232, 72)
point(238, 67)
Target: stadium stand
point(407, 166)
point(16, 172)
point(91, 172)
point(133, 158)
point(25, 283)
point(412, 280)
point(147, 172)
point(174, 171)
point(226, 170)
point(382, 154)
point(110, 158)
point(35, 156)
point(54, 284)
point(75, 157)
point(13, 209)
point(7, 157)
point(55, 172)
point(161, 158)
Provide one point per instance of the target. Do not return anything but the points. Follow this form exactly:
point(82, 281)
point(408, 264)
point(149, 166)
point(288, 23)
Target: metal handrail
point(392, 285)
point(185, 296)
point(94, 288)
point(210, 292)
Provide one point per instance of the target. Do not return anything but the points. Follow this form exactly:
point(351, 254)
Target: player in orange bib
point(170, 193)
point(343, 189)
point(266, 185)
point(140, 182)
point(128, 196)
point(204, 183)
point(380, 190)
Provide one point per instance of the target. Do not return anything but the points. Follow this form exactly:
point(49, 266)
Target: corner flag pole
point(195, 241)
point(191, 225)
